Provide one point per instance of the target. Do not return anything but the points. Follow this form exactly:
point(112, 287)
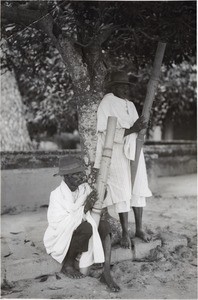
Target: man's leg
point(125, 241)
point(79, 244)
point(104, 231)
point(138, 212)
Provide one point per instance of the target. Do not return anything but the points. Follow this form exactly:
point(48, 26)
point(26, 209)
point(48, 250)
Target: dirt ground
point(167, 274)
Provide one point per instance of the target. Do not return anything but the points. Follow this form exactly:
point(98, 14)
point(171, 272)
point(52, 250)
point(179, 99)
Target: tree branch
point(148, 36)
point(20, 15)
point(41, 20)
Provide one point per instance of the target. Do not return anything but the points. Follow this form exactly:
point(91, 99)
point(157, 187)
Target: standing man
point(120, 192)
point(72, 233)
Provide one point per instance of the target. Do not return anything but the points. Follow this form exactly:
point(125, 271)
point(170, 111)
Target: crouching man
point(72, 233)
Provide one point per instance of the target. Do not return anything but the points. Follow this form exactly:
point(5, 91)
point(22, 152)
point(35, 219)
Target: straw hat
point(69, 165)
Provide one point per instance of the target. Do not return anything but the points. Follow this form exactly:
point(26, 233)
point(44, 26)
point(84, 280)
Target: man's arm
point(90, 201)
point(139, 124)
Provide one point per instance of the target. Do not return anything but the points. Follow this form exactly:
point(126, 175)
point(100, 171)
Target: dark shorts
point(83, 232)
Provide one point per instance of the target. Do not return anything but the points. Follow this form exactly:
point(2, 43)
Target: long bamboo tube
point(104, 168)
point(103, 174)
point(151, 90)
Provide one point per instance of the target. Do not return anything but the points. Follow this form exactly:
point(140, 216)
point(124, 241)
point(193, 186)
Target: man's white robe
point(119, 187)
point(65, 214)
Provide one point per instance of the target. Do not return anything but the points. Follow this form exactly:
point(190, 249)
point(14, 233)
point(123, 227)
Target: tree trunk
point(87, 93)
point(14, 134)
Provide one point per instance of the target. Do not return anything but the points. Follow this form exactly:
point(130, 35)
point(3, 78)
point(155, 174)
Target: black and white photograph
point(98, 127)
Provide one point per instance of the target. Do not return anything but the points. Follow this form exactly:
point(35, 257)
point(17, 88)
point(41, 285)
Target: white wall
point(26, 189)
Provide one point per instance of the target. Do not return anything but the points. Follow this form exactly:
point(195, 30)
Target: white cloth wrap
point(119, 187)
point(65, 214)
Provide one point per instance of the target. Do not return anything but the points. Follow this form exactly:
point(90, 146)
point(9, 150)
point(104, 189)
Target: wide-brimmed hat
point(117, 77)
point(69, 165)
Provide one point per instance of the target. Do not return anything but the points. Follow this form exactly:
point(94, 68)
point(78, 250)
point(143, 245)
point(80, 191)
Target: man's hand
point(139, 124)
point(90, 201)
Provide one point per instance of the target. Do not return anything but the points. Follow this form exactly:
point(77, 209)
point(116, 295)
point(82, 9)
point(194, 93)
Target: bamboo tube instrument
point(104, 168)
point(103, 174)
point(151, 89)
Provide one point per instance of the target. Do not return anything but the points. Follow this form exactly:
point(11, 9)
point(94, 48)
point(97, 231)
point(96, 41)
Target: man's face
point(74, 180)
point(121, 90)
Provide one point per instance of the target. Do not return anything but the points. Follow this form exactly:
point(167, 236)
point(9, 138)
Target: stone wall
point(172, 158)
point(162, 158)
point(34, 159)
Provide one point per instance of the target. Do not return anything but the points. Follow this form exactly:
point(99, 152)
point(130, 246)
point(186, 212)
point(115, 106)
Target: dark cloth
point(80, 238)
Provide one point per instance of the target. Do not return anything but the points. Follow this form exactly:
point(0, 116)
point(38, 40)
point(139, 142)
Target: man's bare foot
point(71, 272)
point(125, 241)
point(143, 236)
point(108, 280)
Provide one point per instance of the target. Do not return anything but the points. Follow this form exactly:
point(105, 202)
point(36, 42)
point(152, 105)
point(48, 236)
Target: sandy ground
point(167, 274)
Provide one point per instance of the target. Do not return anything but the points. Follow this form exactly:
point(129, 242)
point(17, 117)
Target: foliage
point(176, 97)
point(126, 34)
point(44, 83)
point(176, 93)
point(138, 25)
